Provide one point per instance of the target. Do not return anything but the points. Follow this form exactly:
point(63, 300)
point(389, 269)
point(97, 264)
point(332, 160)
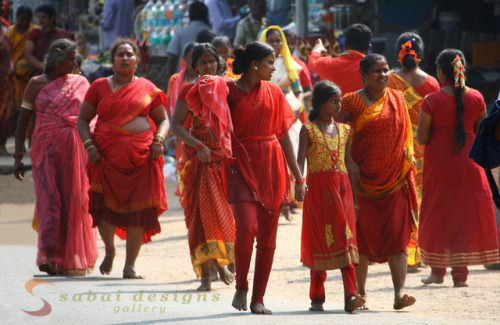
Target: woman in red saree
point(67, 243)
point(382, 148)
point(457, 220)
point(127, 187)
point(209, 218)
point(415, 85)
point(328, 239)
point(257, 174)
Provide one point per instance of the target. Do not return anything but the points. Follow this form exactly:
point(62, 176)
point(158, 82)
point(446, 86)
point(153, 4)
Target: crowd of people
point(387, 177)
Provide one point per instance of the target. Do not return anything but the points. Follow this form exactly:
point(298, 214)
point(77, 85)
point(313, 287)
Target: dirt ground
point(289, 281)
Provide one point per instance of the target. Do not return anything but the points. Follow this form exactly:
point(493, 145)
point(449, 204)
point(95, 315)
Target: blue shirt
point(221, 18)
point(116, 20)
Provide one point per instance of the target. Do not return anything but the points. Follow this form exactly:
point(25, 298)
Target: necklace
point(116, 86)
point(248, 95)
point(334, 153)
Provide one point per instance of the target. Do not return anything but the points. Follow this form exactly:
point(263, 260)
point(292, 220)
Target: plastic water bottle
point(150, 19)
point(162, 14)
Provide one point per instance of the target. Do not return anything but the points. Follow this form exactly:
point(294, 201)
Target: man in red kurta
point(344, 69)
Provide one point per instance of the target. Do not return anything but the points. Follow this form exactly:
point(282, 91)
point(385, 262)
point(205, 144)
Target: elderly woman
point(127, 187)
point(382, 149)
point(66, 239)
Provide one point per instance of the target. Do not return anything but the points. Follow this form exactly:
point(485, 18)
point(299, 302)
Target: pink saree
point(66, 238)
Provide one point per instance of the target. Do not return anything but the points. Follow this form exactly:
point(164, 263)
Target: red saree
point(382, 145)
point(65, 234)
point(328, 239)
point(127, 187)
point(209, 218)
point(260, 118)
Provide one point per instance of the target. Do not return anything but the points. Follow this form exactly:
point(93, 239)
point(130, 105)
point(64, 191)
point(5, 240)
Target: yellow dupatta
point(285, 52)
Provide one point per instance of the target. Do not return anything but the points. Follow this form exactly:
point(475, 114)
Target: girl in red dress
point(329, 221)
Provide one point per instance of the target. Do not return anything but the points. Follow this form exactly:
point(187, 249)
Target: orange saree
point(127, 187)
point(382, 145)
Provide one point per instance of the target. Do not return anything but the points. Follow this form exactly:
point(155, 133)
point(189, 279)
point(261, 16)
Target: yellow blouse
point(325, 153)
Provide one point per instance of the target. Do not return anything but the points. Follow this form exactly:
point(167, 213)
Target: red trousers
point(252, 220)
point(459, 274)
point(318, 278)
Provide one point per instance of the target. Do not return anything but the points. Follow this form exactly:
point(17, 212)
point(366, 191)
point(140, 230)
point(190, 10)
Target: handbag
point(485, 150)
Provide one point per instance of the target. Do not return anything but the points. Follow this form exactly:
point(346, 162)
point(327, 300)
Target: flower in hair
point(406, 50)
point(458, 72)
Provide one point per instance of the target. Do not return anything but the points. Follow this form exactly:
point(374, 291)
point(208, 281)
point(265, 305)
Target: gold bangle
point(87, 141)
point(159, 137)
point(158, 143)
point(89, 147)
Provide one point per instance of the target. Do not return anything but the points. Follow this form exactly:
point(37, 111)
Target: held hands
point(320, 48)
point(300, 191)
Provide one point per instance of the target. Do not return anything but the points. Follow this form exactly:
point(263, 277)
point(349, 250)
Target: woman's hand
point(156, 150)
point(300, 191)
point(19, 170)
point(204, 155)
point(94, 155)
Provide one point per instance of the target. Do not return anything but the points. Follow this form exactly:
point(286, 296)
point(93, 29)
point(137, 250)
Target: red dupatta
point(207, 99)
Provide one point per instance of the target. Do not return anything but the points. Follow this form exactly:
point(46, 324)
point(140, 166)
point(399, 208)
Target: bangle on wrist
point(300, 181)
point(18, 155)
point(158, 143)
point(90, 147)
point(200, 146)
point(87, 141)
point(159, 137)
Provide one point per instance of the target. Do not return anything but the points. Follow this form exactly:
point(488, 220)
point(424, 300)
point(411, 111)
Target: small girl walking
point(328, 238)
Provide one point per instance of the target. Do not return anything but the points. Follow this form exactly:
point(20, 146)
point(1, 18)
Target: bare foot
point(460, 285)
point(353, 303)
point(107, 264)
point(316, 306)
point(206, 284)
point(433, 279)
point(240, 300)
point(232, 268)
point(285, 210)
point(224, 275)
point(401, 302)
point(213, 271)
point(130, 273)
point(258, 308)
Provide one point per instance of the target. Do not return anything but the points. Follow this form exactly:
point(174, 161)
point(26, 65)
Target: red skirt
point(384, 225)
point(328, 239)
